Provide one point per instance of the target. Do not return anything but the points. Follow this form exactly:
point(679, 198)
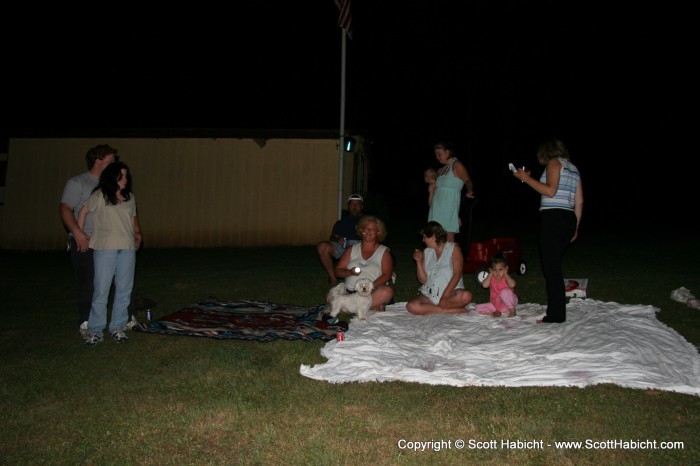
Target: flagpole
point(341, 146)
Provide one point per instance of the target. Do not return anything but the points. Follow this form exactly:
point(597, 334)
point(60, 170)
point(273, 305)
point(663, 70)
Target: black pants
point(557, 227)
point(465, 230)
point(84, 274)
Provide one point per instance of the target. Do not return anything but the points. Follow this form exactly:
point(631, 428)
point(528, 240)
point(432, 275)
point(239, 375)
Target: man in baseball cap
point(343, 235)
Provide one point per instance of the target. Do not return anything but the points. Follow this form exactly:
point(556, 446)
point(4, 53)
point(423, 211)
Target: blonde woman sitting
point(369, 259)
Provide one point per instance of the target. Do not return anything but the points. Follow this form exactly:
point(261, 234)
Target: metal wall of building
point(191, 192)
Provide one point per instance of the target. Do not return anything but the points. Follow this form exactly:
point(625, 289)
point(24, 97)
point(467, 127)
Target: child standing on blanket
point(502, 298)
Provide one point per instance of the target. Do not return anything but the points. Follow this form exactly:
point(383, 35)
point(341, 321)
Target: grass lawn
point(177, 400)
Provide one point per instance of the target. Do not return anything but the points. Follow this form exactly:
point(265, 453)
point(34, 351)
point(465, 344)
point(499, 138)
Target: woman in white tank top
point(439, 269)
point(369, 259)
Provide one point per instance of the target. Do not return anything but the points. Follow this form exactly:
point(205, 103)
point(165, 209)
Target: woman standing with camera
point(561, 207)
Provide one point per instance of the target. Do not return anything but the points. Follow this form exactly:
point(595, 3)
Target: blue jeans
point(117, 264)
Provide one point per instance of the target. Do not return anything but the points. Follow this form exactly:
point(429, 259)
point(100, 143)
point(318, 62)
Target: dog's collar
point(350, 291)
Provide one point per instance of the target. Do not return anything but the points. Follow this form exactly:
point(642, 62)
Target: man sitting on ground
point(342, 237)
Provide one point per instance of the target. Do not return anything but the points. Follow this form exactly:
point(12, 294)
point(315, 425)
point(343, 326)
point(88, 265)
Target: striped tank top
point(565, 196)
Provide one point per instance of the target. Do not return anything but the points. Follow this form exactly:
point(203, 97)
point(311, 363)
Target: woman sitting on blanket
point(369, 259)
point(439, 269)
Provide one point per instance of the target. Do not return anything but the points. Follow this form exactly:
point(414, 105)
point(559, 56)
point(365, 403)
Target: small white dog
point(358, 302)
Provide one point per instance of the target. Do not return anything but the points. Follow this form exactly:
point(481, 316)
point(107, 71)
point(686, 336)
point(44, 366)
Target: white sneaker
point(92, 340)
point(119, 336)
point(132, 322)
point(83, 329)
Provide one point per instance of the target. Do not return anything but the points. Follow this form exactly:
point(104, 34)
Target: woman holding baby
point(446, 200)
point(369, 259)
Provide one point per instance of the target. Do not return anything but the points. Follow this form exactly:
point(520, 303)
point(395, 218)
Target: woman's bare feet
point(495, 314)
point(511, 313)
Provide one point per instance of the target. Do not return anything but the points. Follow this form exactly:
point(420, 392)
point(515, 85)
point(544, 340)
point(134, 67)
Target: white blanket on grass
point(600, 343)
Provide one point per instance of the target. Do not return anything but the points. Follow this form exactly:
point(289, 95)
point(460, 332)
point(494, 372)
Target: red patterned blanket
point(247, 320)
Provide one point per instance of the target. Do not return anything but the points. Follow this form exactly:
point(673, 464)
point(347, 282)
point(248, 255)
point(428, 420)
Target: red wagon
point(480, 253)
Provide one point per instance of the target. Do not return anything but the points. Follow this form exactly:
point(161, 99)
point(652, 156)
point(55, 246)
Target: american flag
point(345, 18)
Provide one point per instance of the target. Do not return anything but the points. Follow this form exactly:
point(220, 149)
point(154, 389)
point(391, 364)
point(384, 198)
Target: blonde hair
point(551, 149)
point(381, 228)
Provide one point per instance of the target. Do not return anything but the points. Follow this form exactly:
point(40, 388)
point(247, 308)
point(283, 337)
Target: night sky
point(494, 78)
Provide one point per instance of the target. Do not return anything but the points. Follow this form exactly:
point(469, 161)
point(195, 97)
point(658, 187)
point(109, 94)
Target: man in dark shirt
point(342, 237)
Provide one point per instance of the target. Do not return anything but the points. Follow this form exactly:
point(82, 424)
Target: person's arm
point(461, 172)
point(510, 281)
point(431, 191)
point(333, 236)
point(137, 231)
point(457, 266)
point(419, 257)
point(71, 224)
point(341, 268)
point(81, 239)
point(387, 269)
point(487, 281)
point(578, 207)
point(549, 188)
point(82, 216)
